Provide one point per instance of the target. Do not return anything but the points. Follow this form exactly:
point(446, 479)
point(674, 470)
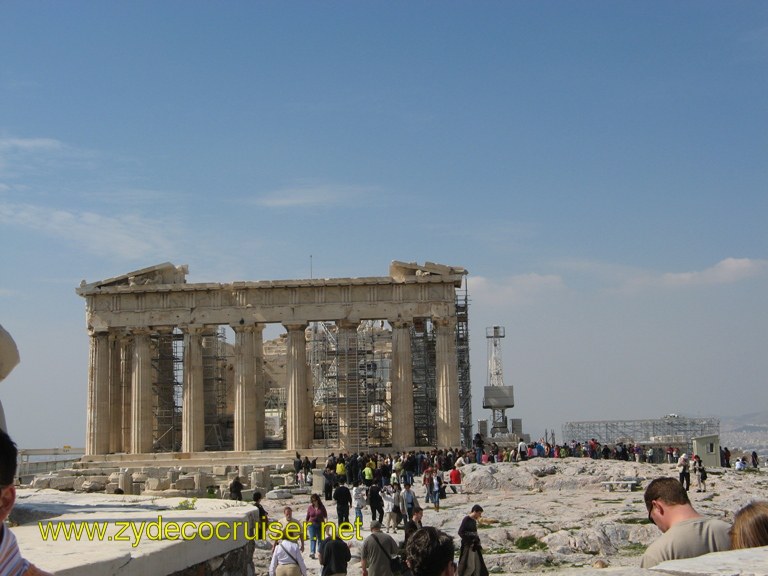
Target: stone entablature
point(123, 314)
point(118, 303)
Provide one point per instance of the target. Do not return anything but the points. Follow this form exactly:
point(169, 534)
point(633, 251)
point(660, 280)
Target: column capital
point(345, 324)
point(99, 332)
point(249, 327)
point(444, 321)
point(401, 323)
point(295, 326)
point(164, 329)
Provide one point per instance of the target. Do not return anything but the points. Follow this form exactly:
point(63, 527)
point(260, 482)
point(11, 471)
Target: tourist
point(686, 533)
point(429, 552)
point(433, 482)
point(263, 516)
point(426, 481)
point(334, 554)
point(377, 552)
point(297, 464)
point(455, 476)
point(418, 515)
point(754, 460)
point(683, 468)
point(396, 502)
point(376, 502)
point(741, 464)
point(726, 457)
point(341, 468)
point(408, 501)
point(343, 498)
point(11, 560)
point(368, 474)
point(388, 495)
point(478, 444)
point(471, 561)
point(750, 526)
point(287, 559)
point(285, 521)
point(236, 489)
point(359, 497)
point(329, 478)
point(522, 451)
point(700, 473)
point(316, 515)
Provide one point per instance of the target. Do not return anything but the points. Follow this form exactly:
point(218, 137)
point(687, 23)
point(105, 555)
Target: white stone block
point(279, 494)
point(41, 482)
point(158, 484)
point(66, 483)
point(93, 486)
point(184, 483)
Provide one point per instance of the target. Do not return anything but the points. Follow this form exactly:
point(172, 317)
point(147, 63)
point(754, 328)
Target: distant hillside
point(746, 433)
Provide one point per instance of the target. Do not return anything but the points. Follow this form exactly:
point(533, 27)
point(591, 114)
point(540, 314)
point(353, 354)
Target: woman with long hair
point(750, 526)
point(316, 515)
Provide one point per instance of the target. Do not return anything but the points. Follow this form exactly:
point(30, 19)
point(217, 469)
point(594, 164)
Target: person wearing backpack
point(379, 553)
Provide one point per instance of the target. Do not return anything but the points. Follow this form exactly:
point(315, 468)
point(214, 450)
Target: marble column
point(447, 384)
point(298, 426)
point(193, 401)
point(141, 393)
point(126, 357)
point(245, 390)
point(258, 388)
point(403, 433)
point(97, 423)
point(115, 396)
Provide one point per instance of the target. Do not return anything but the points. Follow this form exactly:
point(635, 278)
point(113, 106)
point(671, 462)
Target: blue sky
point(600, 168)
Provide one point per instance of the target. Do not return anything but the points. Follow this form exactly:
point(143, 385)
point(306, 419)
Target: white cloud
point(126, 236)
point(728, 271)
point(25, 157)
point(513, 291)
point(29, 144)
point(307, 196)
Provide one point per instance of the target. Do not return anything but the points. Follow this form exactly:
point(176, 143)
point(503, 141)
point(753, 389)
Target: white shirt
point(282, 555)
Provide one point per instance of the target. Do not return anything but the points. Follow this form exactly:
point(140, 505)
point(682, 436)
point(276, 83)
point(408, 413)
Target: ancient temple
point(364, 362)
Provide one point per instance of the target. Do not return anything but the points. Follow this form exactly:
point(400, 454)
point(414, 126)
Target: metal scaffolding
point(167, 383)
point(671, 429)
point(167, 367)
point(219, 421)
point(351, 385)
point(423, 353)
point(462, 361)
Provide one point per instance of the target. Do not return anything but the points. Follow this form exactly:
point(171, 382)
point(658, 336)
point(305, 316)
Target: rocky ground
point(548, 515)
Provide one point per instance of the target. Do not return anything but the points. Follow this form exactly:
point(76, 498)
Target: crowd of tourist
point(389, 487)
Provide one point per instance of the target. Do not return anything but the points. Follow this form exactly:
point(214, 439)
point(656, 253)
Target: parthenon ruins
point(366, 362)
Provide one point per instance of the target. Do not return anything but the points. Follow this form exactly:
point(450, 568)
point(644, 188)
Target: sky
point(599, 168)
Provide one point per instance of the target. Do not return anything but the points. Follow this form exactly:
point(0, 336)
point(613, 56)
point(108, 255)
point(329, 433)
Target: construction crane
point(497, 397)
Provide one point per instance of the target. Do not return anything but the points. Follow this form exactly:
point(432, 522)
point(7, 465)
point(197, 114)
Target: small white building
point(708, 449)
